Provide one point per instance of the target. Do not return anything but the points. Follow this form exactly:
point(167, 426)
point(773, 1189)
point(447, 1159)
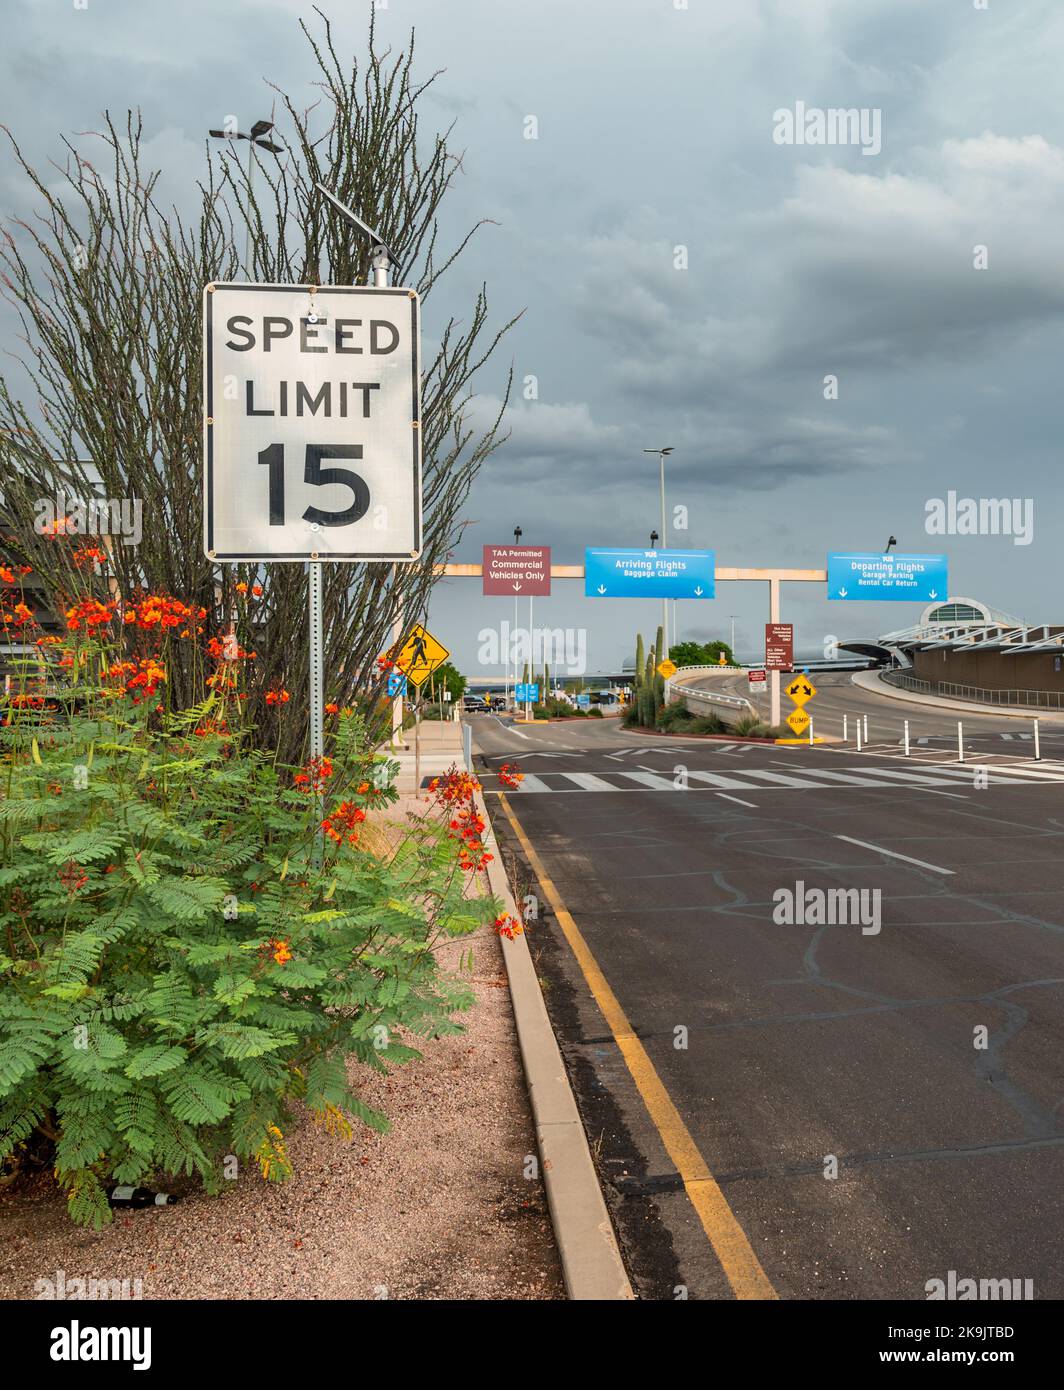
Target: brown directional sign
point(517, 569)
point(779, 646)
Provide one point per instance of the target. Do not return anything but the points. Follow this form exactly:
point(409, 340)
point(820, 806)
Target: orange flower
point(281, 951)
point(277, 697)
point(241, 588)
point(332, 709)
point(508, 926)
point(340, 824)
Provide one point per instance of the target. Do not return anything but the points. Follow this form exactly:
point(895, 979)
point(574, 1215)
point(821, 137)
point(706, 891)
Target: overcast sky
point(655, 132)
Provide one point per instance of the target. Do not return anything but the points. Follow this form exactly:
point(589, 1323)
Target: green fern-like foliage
point(182, 957)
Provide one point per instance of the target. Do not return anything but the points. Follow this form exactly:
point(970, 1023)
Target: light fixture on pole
point(890, 542)
point(662, 456)
point(255, 141)
point(653, 540)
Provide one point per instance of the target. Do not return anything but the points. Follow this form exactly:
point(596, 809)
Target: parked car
point(473, 704)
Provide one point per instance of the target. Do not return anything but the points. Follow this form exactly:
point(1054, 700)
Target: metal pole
point(906, 738)
point(960, 742)
point(317, 690)
point(467, 742)
point(774, 676)
point(532, 650)
point(1037, 750)
point(664, 545)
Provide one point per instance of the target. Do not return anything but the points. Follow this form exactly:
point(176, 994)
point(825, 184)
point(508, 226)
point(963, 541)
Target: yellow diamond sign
point(798, 720)
point(667, 668)
point(420, 656)
point(801, 689)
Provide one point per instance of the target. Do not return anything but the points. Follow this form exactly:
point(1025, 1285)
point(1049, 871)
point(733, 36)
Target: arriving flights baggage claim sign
point(312, 428)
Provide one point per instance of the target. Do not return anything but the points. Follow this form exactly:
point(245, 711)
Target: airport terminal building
point(967, 651)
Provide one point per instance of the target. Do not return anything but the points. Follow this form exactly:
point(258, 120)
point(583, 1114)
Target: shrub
point(593, 713)
point(708, 724)
point(187, 944)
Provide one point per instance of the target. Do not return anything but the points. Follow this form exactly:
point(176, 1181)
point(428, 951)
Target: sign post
point(420, 656)
point(283, 420)
point(779, 650)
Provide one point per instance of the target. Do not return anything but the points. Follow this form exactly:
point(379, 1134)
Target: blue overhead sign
point(649, 573)
point(873, 578)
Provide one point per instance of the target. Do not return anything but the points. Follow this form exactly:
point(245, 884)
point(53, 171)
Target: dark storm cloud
point(655, 133)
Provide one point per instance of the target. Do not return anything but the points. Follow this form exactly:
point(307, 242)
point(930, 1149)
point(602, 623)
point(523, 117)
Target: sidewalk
point(441, 747)
point(872, 681)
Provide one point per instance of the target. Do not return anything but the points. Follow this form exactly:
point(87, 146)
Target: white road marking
point(935, 868)
point(531, 783)
point(715, 779)
point(589, 782)
point(651, 779)
point(738, 799)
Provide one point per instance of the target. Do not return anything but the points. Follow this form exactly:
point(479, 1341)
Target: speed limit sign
point(312, 429)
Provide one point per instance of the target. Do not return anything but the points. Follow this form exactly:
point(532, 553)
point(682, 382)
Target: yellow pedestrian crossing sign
point(798, 720)
point(801, 689)
point(420, 656)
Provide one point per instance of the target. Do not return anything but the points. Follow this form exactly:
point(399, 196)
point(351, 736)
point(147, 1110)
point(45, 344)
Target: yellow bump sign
point(801, 689)
point(420, 656)
point(667, 668)
point(798, 720)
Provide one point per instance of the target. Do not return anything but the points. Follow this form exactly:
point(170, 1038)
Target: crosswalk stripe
point(784, 779)
point(531, 783)
point(589, 782)
point(715, 779)
point(849, 777)
point(651, 779)
point(913, 778)
point(1030, 774)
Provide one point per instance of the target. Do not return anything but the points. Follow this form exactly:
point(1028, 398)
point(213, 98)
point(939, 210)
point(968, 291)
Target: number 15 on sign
point(312, 429)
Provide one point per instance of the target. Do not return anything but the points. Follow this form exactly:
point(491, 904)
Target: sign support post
point(774, 675)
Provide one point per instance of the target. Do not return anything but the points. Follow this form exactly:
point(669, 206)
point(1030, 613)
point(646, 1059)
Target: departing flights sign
point(649, 573)
point(312, 423)
point(917, 578)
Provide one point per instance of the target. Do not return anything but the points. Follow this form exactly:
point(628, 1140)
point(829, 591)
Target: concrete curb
point(871, 681)
point(591, 1259)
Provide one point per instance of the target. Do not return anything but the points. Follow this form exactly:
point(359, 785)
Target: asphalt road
point(786, 1046)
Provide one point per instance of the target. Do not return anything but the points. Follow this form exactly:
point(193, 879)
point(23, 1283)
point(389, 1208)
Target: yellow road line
point(736, 1255)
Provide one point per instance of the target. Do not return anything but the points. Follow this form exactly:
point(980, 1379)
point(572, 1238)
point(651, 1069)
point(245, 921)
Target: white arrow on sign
point(842, 593)
point(933, 594)
point(602, 588)
point(517, 588)
point(698, 591)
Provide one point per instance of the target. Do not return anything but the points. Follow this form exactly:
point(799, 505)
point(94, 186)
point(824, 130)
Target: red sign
point(517, 569)
point(779, 646)
point(757, 677)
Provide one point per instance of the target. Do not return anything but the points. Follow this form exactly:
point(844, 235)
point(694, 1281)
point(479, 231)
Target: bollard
point(1037, 750)
point(845, 735)
point(906, 738)
point(960, 742)
point(467, 741)
point(810, 731)
point(858, 733)
point(866, 728)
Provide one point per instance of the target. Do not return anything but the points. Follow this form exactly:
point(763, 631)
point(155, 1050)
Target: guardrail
point(676, 686)
point(1016, 699)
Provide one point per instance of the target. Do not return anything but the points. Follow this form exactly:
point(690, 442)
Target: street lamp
point(890, 542)
point(662, 456)
point(255, 139)
point(653, 540)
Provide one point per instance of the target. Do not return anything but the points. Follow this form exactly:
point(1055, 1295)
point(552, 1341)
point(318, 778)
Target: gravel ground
point(437, 1209)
